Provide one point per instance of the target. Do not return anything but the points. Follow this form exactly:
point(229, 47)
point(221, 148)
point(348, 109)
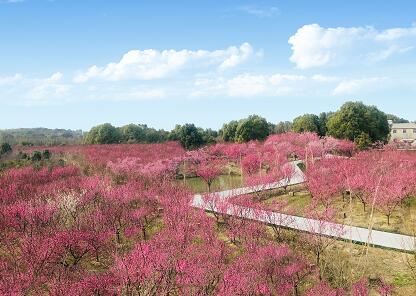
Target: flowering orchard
point(125, 228)
point(381, 180)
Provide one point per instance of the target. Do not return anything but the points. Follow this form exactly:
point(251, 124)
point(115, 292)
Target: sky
point(78, 63)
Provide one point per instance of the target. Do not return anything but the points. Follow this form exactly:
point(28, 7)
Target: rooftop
point(403, 125)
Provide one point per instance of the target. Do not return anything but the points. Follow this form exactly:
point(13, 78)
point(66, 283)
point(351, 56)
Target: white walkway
point(217, 202)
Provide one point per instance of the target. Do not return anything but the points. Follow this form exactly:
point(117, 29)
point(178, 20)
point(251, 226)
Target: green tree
point(282, 127)
point(252, 128)
point(155, 136)
point(174, 134)
point(36, 156)
point(190, 137)
point(306, 123)
point(363, 141)
point(323, 120)
point(46, 154)
point(132, 133)
point(354, 119)
point(209, 136)
point(396, 119)
point(228, 130)
point(103, 134)
point(5, 148)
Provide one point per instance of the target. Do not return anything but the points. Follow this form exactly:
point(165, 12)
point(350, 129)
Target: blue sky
point(75, 64)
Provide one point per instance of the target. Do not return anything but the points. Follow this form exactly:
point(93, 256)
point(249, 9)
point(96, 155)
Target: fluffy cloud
point(50, 88)
point(54, 90)
point(153, 64)
point(19, 89)
point(276, 85)
point(315, 46)
point(351, 86)
point(10, 80)
point(247, 85)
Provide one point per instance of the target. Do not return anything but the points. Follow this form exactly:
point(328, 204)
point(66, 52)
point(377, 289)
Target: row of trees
point(380, 180)
point(252, 128)
point(40, 136)
point(354, 121)
point(189, 135)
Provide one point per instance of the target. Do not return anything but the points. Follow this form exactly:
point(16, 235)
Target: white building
point(403, 132)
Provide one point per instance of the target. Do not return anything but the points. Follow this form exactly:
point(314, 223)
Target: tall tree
point(252, 128)
point(132, 133)
point(282, 127)
point(103, 134)
point(354, 120)
point(228, 130)
point(5, 148)
point(190, 137)
point(306, 123)
point(323, 120)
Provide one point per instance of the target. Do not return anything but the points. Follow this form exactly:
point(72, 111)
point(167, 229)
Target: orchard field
point(117, 219)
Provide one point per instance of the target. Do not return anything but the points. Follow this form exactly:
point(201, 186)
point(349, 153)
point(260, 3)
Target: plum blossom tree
point(264, 270)
point(209, 169)
point(322, 183)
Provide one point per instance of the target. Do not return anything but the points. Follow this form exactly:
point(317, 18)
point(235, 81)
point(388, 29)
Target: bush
point(5, 148)
point(36, 156)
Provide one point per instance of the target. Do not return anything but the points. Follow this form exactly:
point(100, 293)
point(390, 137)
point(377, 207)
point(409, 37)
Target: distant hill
point(40, 136)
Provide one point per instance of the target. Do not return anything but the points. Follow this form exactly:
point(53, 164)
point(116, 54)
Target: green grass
point(402, 280)
point(223, 182)
point(403, 219)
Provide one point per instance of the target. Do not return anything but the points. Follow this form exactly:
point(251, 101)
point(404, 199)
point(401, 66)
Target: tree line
point(354, 121)
point(40, 136)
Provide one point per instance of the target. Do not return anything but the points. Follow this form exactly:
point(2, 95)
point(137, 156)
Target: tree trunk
point(144, 232)
point(118, 235)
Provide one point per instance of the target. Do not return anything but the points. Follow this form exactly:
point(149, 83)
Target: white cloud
point(48, 89)
point(55, 77)
point(250, 85)
point(278, 79)
point(144, 94)
point(396, 33)
point(237, 56)
point(9, 80)
point(386, 53)
point(22, 90)
point(153, 64)
point(259, 11)
point(352, 86)
point(315, 46)
point(324, 78)
point(247, 85)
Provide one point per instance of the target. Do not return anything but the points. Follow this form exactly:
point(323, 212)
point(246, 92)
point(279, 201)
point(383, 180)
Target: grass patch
point(223, 182)
point(403, 219)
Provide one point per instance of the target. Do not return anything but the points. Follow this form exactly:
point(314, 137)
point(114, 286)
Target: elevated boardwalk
point(214, 202)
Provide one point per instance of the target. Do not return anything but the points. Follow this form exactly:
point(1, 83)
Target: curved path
point(217, 202)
